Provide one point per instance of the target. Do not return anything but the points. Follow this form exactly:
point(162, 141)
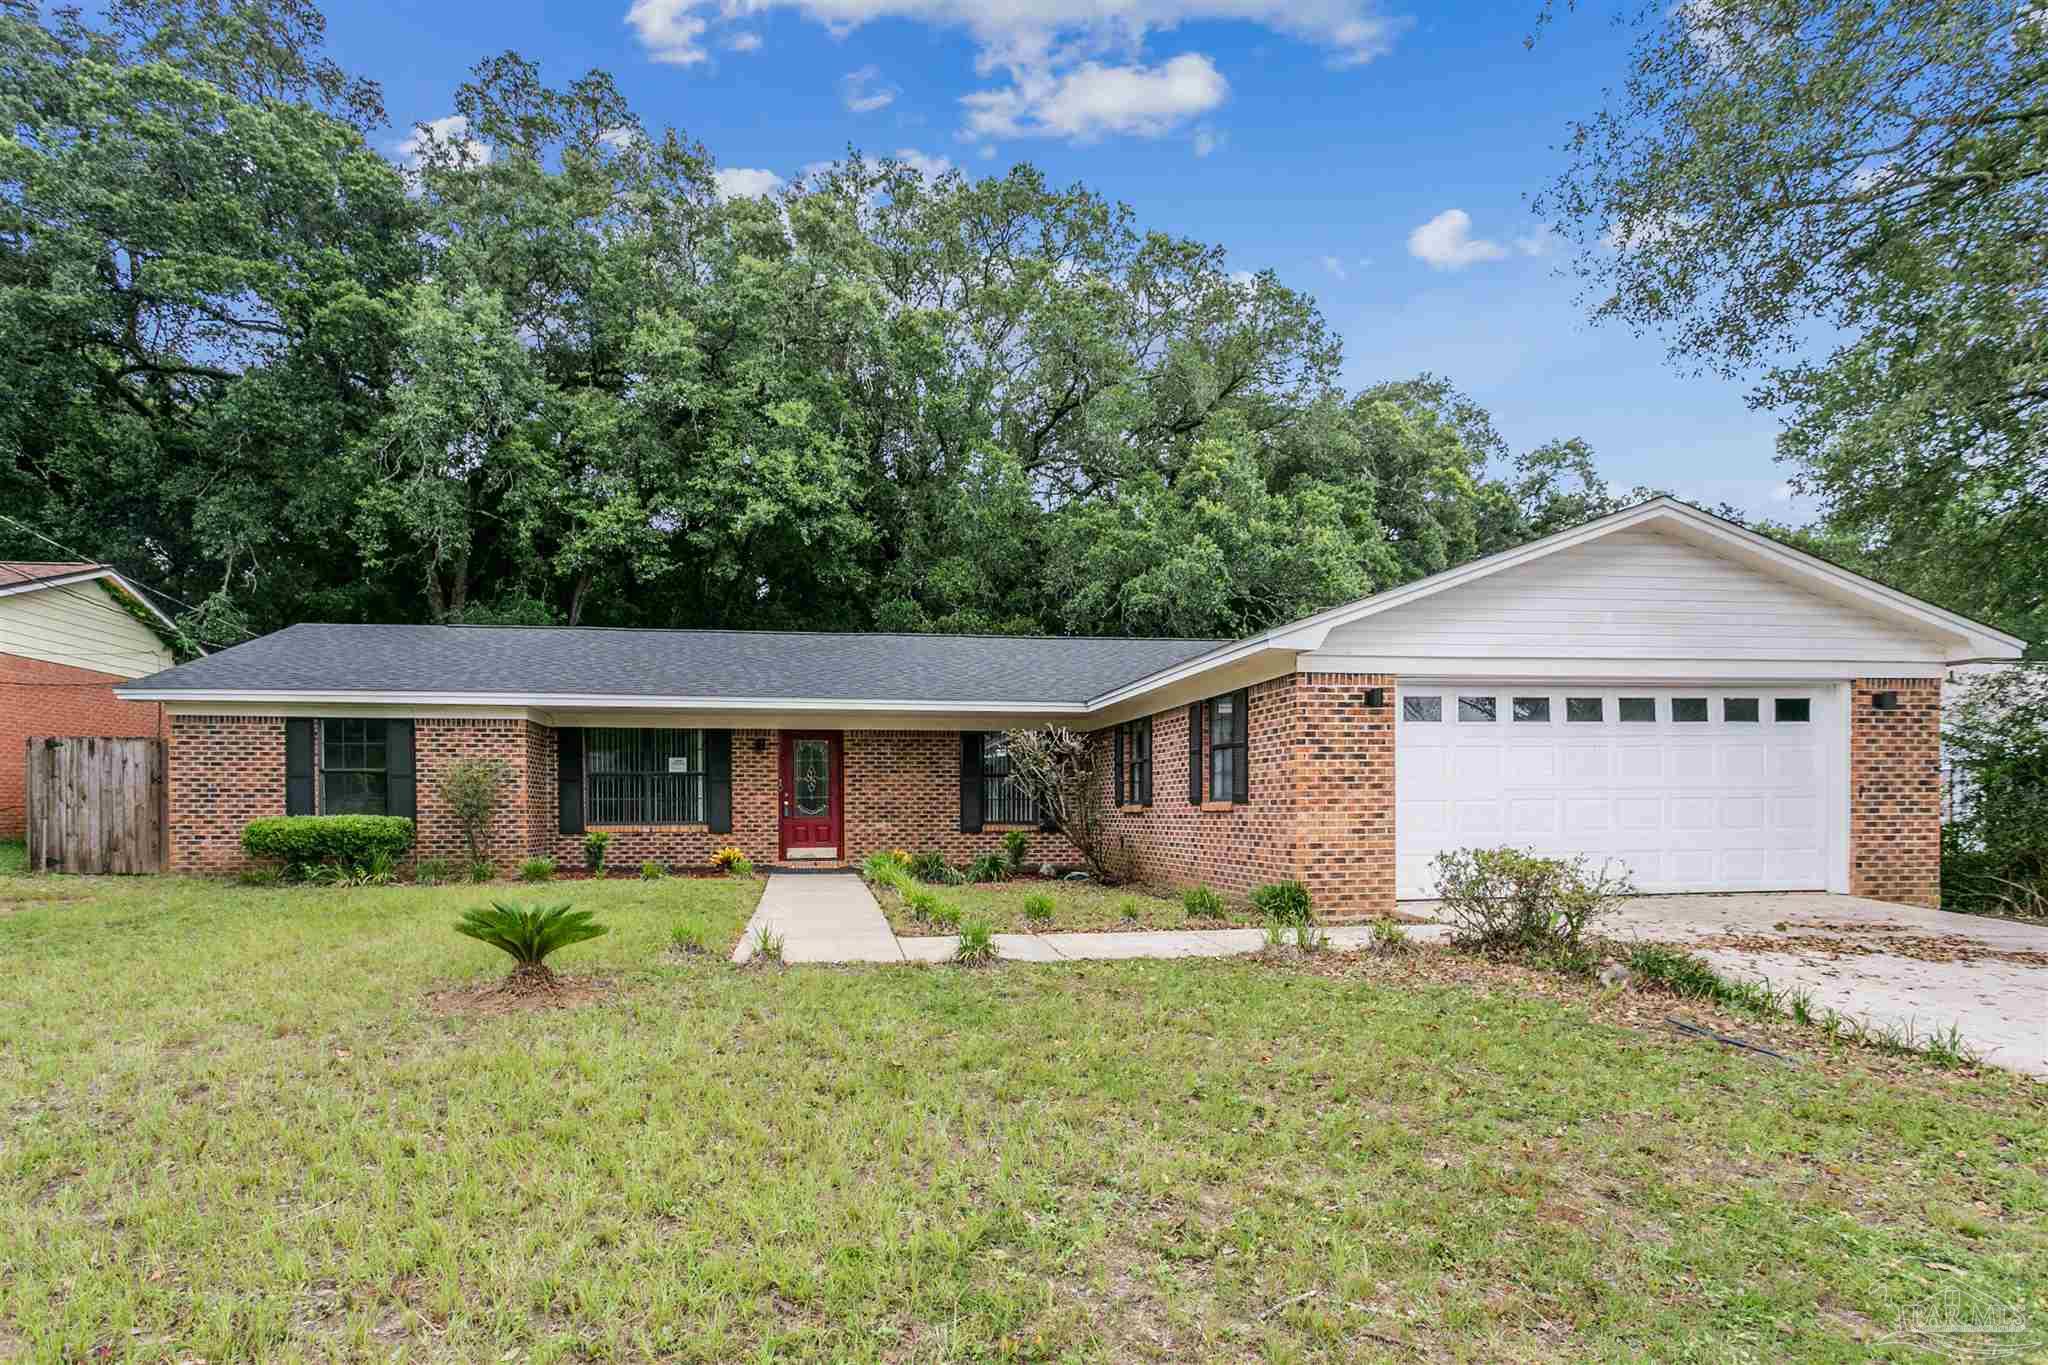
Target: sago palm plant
point(529, 933)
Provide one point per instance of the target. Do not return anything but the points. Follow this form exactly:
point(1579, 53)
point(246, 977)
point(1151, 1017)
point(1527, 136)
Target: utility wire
point(108, 606)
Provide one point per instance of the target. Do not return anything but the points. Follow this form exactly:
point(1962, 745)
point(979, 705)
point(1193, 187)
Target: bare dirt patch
point(519, 994)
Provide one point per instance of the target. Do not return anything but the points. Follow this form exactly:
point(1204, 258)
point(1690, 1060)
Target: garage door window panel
point(1689, 710)
point(1637, 710)
point(1426, 710)
point(1476, 710)
point(1585, 710)
point(1792, 710)
point(1740, 710)
point(1532, 710)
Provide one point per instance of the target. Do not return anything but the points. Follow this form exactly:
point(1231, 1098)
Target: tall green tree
point(1774, 172)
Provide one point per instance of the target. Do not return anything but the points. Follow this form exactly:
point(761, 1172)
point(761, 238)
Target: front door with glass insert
point(811, 794)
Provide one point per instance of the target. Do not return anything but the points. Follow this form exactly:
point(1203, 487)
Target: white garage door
point(1691, 789)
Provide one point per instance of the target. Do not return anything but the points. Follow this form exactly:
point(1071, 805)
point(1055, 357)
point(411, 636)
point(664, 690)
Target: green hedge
point(342, 840)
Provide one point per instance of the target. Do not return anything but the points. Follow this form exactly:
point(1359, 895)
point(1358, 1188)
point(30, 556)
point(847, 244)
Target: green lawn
point(237, 1129)
point(1076, 906)
point(13, 856)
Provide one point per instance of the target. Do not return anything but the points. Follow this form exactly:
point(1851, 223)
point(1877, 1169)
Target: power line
point(82, 558)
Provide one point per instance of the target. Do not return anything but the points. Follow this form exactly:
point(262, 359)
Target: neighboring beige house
point(65, 641)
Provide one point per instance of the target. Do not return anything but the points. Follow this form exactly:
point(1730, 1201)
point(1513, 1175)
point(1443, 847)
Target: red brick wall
point(1321, 799)
point(1895, 792)
point(903, 791)
point(39, 698)
point(439, 742)
point(224, 772)
point(754, 817)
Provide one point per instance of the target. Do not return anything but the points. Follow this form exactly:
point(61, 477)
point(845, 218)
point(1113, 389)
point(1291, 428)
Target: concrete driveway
point(1896, 966)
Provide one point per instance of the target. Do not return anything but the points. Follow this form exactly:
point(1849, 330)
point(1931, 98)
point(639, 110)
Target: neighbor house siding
point(42, 698)
point(1632, 594)
point(1895, 792)
point(79, 625)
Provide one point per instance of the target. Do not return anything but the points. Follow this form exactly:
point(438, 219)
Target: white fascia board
point(595, 702)
point(1434, 670)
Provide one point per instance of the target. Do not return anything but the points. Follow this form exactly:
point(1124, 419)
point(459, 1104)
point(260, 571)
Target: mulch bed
point(516, 995)
point(628, 874)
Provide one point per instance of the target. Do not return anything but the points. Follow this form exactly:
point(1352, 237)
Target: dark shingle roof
point(797, 665)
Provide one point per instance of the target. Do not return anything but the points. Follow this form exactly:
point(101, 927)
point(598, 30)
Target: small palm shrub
point(482, 870)
point(537, 870)
point(651, 871)
point(931, 867)
point(1284, 902)
point(594, 844)
point(434, 871)
point(724, 859)
point(945, 916)
point(1038, 909)
point(1016, 848)
point(530, 934)
point(1201, 903)
point(989, 867)
point(977, 947)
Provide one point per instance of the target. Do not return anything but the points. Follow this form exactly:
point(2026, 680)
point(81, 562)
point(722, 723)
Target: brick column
point(222, 772)
point(1343, 783)
point(1895, 791)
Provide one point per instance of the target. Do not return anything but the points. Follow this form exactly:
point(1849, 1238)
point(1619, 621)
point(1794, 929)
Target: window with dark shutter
point(1227, 777)
point(970, 782)
point(354, 767)
point(569, 778)
point(1134, 763)
point(298, 766)
point(1003, 801)
point(1194, 753)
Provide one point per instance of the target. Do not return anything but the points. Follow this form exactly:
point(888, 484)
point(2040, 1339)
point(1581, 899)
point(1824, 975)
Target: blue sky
point(1378, 158)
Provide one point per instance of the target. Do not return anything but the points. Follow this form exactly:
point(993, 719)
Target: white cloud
point(1648, 231)
point(1093, 100)
point(452, 132)
point(1541, 242)
point(1061, 56)
point(864, 91)
point(930, 167)
point(743, 41)
point(1446, 242)
point(1208, 140)
point(621, 137)
point(670, 30)
point(1334, 266)
point(741, 182)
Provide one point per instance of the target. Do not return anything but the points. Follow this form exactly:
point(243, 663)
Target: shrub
point(1310, 939)
point(1038, 908)
point(482, 870)
point(1016, 848)
point(259, 876)
point(471, 788)
point(594, 844)
point(1202, 903)
point(1389, 937)
point(537, 870)
point(530, 933)
point(651, 871)
point(977, 947)
point(727, 856)
point(767, 945)
point(1508, 901)
point(945, 915)
point(1994, 847)
point(931, 867)
point(301, 842)
point(433, 871)
point(921, 903)
point(1130, 909)
point(740, 867)
point(989, 867)
point(1283, 902)
point(381, 870)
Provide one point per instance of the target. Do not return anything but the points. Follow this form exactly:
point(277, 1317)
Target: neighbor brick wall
point(224, 772)
point(1321, 799)
point(40, 698)
point(1895, 792)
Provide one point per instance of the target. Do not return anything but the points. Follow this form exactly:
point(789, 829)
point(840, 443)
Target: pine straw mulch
point(521, 993)
point(1637, 1006)
point(1830, 940)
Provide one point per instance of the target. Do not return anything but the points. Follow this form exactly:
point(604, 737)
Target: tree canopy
point(539, 370)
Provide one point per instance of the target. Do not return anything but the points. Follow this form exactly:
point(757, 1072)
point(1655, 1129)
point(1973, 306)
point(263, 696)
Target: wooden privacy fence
point(95, 804)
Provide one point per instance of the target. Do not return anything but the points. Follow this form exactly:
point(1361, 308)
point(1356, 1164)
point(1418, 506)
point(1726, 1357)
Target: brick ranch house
point(69, 633)
point(1660, 687)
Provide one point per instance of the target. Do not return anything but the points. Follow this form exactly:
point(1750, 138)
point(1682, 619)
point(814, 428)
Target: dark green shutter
point(970, 782)
point(569, 777)
point(401, 780)
point(1116, 761)
point(298, 767)
point(718, 781)
point(1240, 730)
point(1145, 787)
point(1194, 753)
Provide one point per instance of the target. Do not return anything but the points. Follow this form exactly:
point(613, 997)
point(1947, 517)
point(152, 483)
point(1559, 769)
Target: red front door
point(813, 794)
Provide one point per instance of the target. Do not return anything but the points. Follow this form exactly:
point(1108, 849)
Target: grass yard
point(238, 1129)
point(1077, 906)
point(13, 856)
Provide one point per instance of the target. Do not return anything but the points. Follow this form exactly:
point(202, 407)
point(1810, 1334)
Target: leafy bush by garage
point(1994, 847)
point(1510, 902)
point(344, 841)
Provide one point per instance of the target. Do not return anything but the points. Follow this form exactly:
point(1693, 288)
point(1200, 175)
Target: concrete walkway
point(820, 917)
